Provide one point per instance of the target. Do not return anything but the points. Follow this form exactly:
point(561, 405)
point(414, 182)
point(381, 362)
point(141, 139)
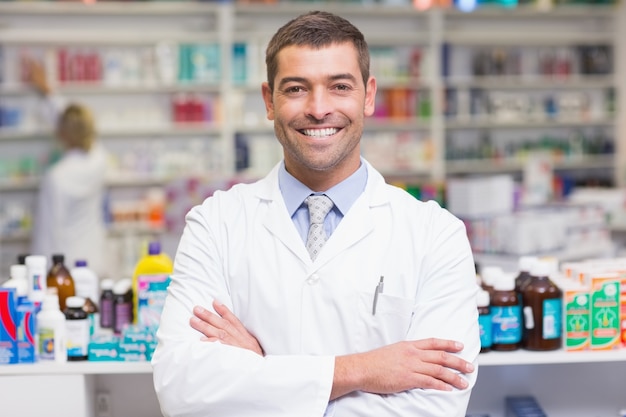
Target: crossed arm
point(428, 363)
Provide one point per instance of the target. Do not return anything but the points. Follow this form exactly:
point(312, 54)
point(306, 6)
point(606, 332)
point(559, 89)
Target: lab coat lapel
point(359, 222)
point(277, 219)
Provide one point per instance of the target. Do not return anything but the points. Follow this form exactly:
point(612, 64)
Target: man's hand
point(428, 363)
point(224, 327)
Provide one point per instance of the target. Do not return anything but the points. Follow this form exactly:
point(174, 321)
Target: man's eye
point(294, 89)
point(342, 87)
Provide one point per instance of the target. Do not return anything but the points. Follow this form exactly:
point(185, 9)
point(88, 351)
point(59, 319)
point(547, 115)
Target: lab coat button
point(313, 279)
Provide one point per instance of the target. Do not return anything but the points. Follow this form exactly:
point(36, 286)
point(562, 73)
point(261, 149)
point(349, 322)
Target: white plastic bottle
point(85, 281)
point(18, 281)
point(51, 331)
point(36, 276)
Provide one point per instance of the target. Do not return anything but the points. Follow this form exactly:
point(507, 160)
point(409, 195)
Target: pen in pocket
point(378, 290)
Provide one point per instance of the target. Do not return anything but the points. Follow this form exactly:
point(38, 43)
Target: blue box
point(9, 322)
point(523, 406)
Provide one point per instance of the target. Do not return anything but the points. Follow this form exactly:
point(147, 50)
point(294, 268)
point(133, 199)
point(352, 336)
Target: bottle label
point(507, 327)
point(77, 337)
point(123, 316)
point(46, 344)
point(107, 314)
point(485, 326)
point(152, 290)
point(552, 318)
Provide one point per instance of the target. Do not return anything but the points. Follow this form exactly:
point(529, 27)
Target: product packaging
point(8, 327)
point(605, 311)
point(150, 282)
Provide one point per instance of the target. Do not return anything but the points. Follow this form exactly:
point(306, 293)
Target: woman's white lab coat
point(241, 248)
point(70, 209)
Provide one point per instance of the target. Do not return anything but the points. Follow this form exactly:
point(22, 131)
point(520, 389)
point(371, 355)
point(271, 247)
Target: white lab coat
point(242, 248)
point(69, 217)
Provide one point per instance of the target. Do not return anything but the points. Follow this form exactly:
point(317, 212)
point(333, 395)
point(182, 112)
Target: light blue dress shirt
point(343, 195)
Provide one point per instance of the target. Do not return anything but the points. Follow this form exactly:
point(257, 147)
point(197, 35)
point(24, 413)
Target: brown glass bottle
point(542, 307)
point(59, 277)
point(485, 325)
point(506, 315)
point(525, 264)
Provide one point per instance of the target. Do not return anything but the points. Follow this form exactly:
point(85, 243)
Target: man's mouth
point(320, 133)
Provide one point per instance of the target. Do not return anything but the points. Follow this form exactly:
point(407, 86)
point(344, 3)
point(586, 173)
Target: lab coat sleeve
point(193, 377)
point(445, 307)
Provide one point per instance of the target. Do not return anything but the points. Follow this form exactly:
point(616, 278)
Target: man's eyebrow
point(334, 77)
point(287, 80)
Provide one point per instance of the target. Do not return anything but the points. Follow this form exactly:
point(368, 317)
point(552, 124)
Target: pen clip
point(378, 290)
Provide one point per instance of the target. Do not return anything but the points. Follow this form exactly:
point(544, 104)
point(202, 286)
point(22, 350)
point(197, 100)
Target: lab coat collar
point(355, 225)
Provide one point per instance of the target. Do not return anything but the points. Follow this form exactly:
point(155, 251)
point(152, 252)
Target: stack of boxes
point(594, 298)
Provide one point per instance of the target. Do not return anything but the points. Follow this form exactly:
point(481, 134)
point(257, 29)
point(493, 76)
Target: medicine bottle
point(542, 306)
point(107, 299)
point(59, 277)
point(77, 329)
point(506, 315)
point(122, 305)
point(85, 280)
point(36, 276)
point(484, 321)
point(489, 275)
point(525, 264)
point(51, 330)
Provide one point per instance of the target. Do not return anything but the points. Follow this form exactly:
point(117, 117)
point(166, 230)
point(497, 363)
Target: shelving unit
point(395, 31)
point(500, 374)
point(524, 78)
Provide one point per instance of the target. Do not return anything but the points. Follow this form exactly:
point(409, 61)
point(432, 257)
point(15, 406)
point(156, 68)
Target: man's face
point(318, 106)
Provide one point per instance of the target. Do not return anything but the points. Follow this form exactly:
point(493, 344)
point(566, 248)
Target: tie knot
point(319, 206)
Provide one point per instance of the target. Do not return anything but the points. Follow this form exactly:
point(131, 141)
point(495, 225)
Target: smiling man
point(319, 290)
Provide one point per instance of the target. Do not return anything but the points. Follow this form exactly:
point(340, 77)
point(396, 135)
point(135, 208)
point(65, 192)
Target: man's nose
point(319, 104)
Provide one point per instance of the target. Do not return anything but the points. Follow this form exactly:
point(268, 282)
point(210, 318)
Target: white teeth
point(320, 132)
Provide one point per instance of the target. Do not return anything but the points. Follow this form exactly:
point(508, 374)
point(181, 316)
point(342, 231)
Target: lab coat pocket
point(389, 324)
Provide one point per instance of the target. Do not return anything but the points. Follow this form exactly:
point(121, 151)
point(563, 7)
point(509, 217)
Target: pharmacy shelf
point(106, 8)
point(170, 130)
point(120, 38)
point(101, 88)
point(490, 166)
point(73, 368)
point(519, 357)
point(493, 123)
point(525, 357)
point(537, 82)
point(31, 184)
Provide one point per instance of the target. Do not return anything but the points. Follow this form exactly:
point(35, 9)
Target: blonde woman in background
point(69, 217)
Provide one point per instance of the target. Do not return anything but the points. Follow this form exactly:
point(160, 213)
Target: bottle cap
point(541, 269)
point(36, 260)
point(18, 280)
point(75, 302)
point(58, 258)
point(107, 284)
point(18, 271)
point(154, 248)
point(482, 298)
point(506, 282)
point(80, 263)
point(490, 274)
point(525, 263)
point(122, 286)
point(51, 301)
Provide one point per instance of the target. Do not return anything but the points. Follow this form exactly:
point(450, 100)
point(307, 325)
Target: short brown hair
point(316, 29)
point(76, 127)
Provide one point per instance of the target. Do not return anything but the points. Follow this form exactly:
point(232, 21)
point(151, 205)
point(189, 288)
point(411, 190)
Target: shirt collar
point(343, 194)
